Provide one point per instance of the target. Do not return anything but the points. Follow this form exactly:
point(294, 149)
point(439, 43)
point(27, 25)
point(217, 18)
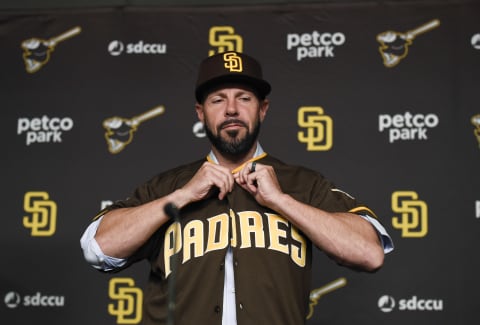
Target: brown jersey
point(272, 259)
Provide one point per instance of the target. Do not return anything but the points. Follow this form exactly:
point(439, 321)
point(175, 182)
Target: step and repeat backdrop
point(383, 99)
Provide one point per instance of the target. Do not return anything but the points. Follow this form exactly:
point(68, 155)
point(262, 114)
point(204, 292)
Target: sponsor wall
point(382, 99)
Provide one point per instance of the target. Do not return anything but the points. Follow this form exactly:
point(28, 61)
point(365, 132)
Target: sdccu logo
point(129, 301)
point(387, 304)
point(13, 300)
point(116, 47)
point(44, 129)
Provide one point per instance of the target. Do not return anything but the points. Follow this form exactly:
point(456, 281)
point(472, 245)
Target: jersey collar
point(259, 154)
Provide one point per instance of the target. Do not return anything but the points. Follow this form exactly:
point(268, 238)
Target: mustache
point(232, 121)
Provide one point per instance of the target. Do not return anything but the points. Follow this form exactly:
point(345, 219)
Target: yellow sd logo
point(319, 128)
point(43, 218)
point(233, 62)
point(129, 301)
point(413, 220)
point(224, 39)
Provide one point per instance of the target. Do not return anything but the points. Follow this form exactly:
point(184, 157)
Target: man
point(240, 250)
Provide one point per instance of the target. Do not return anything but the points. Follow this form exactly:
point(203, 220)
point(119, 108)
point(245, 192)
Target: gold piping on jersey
point(363, 208)
point(237, 169)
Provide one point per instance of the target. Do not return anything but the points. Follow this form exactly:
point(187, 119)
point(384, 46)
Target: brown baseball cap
point(230, 67)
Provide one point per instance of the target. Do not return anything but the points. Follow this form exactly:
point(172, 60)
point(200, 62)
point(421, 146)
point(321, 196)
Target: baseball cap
point(230, 67)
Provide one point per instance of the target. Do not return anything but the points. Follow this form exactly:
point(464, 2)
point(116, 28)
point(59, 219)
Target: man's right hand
point(209, 178)
point(123, 231)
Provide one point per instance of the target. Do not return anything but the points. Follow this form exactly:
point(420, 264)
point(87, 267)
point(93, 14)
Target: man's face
point(232, 116)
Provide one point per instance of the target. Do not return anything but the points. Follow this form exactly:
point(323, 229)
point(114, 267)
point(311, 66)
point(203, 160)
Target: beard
point(232, 144)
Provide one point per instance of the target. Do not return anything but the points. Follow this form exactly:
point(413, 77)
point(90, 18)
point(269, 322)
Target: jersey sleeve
point(158, 186)
point(328, 197)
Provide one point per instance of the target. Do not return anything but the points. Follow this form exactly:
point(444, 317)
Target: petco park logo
point(407, 126)
point(315, 44)
point(13, 300)
point(43, 129)
point(388, 303)
point(116, 47)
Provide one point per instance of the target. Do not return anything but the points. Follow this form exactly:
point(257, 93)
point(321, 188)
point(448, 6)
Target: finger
point(246, 176)
point(239, 177)
point(253, 167)
point(253, 176)
point(248, 170)
point(224, 180)
point(223, 174)
point(252, 181)
point(219, 177)
point(224, 189)
point(249, 188)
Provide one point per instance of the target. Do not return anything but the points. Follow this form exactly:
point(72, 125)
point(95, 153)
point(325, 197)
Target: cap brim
point(259, 86)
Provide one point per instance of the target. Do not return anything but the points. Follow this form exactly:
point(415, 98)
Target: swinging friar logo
point(36, 51)
point(476, 123)
point(387, 303)
point(318, 293)
point(120, 130)
point(394, 45)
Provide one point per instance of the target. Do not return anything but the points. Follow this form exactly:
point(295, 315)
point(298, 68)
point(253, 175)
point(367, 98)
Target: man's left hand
point(260, 181)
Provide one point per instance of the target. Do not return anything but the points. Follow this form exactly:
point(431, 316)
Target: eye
point(245, 98)
point(216, 100)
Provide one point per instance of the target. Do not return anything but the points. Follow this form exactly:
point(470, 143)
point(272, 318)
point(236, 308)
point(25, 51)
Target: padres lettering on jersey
point(268, 231)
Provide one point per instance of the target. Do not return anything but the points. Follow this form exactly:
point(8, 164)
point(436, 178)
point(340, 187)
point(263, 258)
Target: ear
point(264, 105)
point(199, 110)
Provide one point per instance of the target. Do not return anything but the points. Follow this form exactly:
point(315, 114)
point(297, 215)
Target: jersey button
point(217, 309)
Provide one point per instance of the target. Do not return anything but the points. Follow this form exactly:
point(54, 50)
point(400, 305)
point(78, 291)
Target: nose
point(231, 109)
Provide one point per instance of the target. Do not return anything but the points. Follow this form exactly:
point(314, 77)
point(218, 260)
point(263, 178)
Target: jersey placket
point(230, 299)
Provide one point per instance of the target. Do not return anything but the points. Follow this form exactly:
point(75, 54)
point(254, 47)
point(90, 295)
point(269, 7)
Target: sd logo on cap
point(230, 67)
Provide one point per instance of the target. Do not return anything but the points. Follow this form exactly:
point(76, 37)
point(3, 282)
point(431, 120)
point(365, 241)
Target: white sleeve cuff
point(93, 253)
point(385, 238)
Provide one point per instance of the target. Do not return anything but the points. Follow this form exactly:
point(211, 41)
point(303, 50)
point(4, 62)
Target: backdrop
point(382, 99)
